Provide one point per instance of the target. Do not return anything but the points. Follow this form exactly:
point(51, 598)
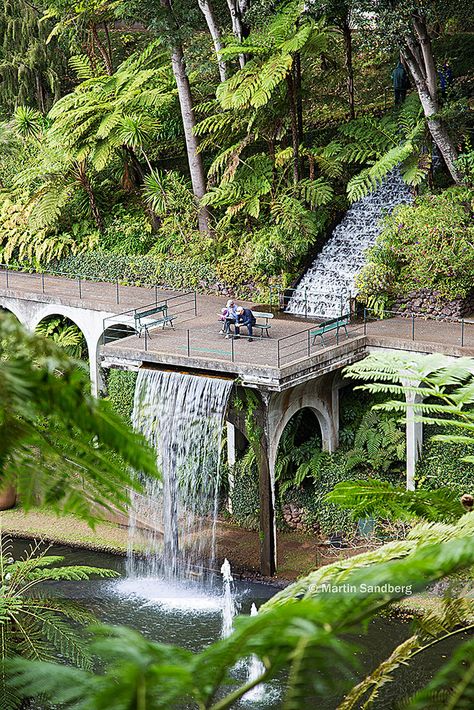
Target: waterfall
point(174, 521)
point(327, 286)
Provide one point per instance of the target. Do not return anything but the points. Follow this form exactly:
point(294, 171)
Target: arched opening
point(298, 462)
point(116, 331)
point(66, 334)
point(7, 311)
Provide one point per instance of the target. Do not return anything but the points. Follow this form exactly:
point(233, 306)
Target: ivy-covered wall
point(442, 465)
point(121, 391)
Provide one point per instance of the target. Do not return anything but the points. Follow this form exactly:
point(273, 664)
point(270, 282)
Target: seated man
point(247, 318)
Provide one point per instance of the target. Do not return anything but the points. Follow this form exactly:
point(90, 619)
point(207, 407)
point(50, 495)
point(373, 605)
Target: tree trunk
point(85, 182)
point(105, 55)
point(237, 27)
point(427, 54)
point(208, 13)
point(430, 106)
point(347, 33)
point(299, 96)
point(196, 167)
point(294, 125)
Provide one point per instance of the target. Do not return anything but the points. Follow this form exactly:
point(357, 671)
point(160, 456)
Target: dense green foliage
point(427, 245)
point(121, 391)
point(372, 445)
point(289, 119)
point(301, 628)
point(56, 438)
point(32, 625)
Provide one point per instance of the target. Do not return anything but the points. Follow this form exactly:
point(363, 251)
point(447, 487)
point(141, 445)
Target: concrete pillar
point(231, 459)
point(93, 369)
point(266, 456)
point(414, 438)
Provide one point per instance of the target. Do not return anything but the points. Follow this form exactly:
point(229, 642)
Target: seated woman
point(231, 317)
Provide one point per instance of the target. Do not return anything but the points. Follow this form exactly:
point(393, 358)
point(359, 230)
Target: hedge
point(441, 463)
point(139, 270)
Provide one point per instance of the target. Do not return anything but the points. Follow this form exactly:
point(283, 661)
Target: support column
point(414, 439)
point(265, 458)
point(92, 348)
point(231, 459)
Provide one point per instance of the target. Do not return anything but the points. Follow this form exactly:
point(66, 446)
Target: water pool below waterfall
point(185, 614)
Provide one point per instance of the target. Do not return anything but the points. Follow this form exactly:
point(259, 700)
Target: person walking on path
point(247, 318)
point(401, 83)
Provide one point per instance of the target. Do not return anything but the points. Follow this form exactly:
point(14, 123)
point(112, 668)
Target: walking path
point(196, 334)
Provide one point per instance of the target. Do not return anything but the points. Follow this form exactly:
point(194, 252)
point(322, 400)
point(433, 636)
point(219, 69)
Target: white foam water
point(326, 288)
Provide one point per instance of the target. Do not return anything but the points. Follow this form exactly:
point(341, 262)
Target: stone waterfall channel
point(182, 416)
point(326, 288)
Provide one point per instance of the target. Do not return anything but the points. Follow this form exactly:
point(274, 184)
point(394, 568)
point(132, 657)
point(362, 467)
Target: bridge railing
point(47, 282)
point(182, 307)
point(280, 297)
point(419, 327)
point(303, 345)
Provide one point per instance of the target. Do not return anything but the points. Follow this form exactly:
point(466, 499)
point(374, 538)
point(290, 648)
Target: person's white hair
point(229, 303)
point(240, 309)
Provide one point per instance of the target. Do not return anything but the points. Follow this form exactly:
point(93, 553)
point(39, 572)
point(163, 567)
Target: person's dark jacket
point(246, 318)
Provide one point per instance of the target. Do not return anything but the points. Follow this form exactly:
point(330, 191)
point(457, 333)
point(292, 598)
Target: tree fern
point(373, 498)
point(452, 688)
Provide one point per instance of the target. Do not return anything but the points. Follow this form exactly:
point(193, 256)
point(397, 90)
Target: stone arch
point(11, 312)
point(15, 309)
point(88, 322)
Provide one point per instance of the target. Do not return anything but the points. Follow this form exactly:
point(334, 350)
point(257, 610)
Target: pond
point(186, 615)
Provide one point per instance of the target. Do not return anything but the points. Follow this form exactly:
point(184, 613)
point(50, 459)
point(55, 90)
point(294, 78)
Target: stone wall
point(428, 302)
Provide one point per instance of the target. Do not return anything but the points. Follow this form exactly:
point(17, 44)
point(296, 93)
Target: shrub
point(127, 233)
point(121, 392)
point(442, 465)
point(319, 515)
point(141, 270)
point(245, 496)
point(425, 245)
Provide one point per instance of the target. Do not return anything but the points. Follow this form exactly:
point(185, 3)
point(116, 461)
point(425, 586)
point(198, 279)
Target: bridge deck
point(196, 343)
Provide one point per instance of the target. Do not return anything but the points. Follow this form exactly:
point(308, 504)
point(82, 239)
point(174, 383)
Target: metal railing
point(280, 298)
point(47, 281)
point(462, 333)
point(302, 345)
point(182, 307)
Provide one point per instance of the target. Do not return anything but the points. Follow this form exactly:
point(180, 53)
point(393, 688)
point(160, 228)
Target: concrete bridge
point(287, 372)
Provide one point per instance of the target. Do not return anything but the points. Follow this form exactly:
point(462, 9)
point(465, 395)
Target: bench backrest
point(259, 314)
point(335, 322)
point(163, 310)
point(332, 324)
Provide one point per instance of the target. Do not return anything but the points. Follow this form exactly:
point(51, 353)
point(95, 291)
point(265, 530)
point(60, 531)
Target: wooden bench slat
point(331, 324)
point(162, 311)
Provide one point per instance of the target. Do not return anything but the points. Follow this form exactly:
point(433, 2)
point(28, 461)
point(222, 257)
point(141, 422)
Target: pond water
point(186, 615)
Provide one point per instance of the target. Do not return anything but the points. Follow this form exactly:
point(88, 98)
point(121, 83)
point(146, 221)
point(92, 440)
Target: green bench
point(158, 315)
point(333, 324)
point(265, 326)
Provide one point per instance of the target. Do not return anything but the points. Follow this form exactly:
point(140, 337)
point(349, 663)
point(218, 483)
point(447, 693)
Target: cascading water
point(327, 286)
point(182, 416)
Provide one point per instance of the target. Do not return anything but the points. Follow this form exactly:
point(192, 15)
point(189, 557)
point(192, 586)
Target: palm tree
point(274, 49)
